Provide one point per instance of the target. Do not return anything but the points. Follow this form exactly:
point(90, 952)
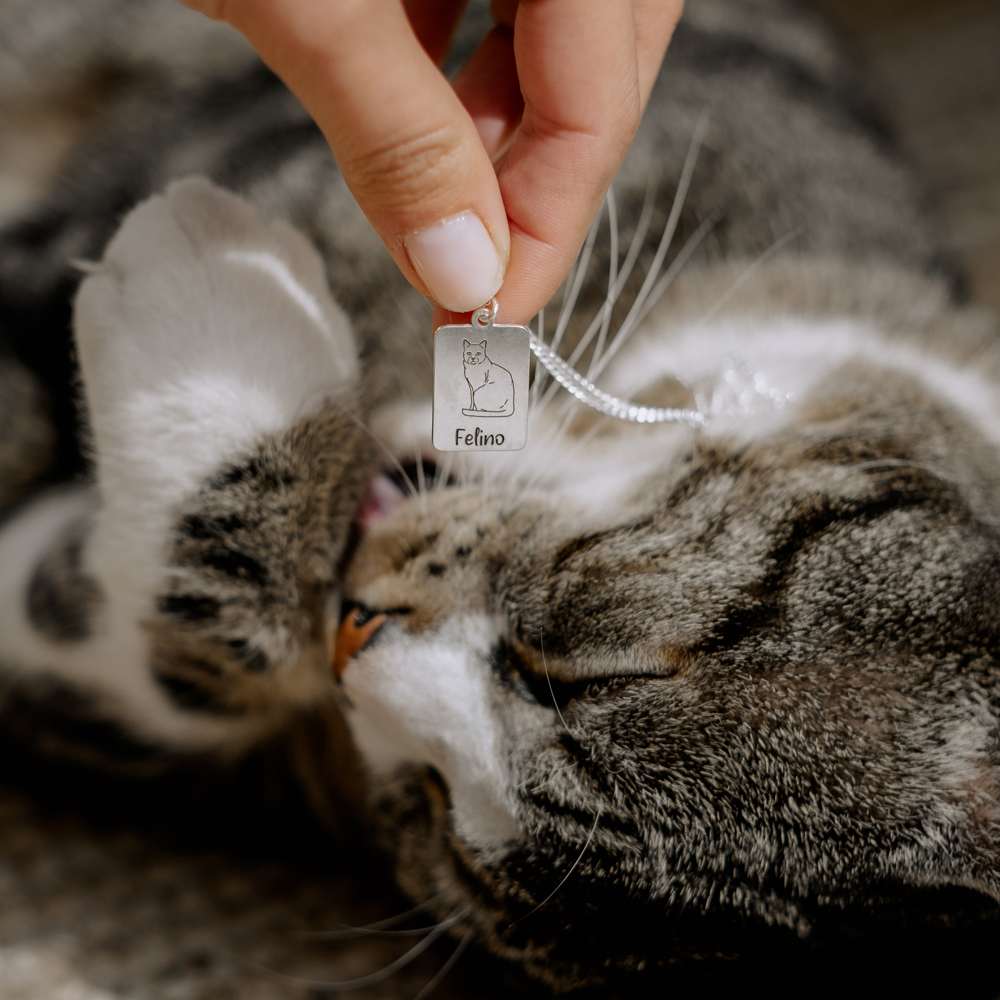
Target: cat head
point(753, 683)
point(473, 354)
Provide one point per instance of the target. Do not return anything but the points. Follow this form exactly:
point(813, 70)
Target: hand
point(495, 180)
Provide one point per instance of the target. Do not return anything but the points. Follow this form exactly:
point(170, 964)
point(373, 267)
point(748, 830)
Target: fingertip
point(458, 262)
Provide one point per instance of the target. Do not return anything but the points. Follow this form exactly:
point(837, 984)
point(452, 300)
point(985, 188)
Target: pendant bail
point(484, 316)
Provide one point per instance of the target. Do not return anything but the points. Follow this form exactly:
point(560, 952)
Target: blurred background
point(934, 66)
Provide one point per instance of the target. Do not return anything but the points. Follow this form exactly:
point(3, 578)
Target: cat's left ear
point(466, 343)
point(482, 344)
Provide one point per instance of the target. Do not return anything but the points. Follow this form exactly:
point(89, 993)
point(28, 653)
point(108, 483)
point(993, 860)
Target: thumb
point(406, 147)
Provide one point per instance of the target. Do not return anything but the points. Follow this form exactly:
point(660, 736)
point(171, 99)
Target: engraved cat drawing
point(491, 386)
point(637, 699)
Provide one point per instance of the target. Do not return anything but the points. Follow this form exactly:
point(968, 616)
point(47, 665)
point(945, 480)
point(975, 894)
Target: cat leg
point(182, 595)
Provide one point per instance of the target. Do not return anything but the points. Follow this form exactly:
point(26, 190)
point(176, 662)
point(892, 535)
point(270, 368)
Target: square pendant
point(481, 388)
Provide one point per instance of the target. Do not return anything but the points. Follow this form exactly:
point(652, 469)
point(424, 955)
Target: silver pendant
point(481, 385)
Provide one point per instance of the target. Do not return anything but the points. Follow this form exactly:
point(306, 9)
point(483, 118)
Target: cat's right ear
point(465, 343)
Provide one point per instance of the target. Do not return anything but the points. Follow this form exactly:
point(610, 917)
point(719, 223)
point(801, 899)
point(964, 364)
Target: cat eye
point(518, 674)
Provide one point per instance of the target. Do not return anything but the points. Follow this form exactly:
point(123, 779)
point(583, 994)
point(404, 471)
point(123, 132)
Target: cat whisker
point(565, 878)
point(539, 378)
point(448, 966)
point(746, 275)
point(444, 471)
point(548, 679)
point(421, 484)
point(351, 933)
point(639, 236)
point(600, 359)
point(386, 922)
point(349, 985)
point(552, 437)
point(631, 320)
point(388, 451)
point(609, 301)
point(602, 320)
point(676, 207)
point(574, 286)
point(635, 246)
point(676, 266)
point(419, 334)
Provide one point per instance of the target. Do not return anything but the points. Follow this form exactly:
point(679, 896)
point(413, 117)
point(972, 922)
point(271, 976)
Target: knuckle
point(408, 168)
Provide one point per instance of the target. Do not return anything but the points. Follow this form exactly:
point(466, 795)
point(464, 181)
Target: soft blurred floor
point(94, 912)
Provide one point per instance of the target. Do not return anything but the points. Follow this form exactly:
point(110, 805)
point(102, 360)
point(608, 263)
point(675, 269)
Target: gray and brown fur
point(757, 669)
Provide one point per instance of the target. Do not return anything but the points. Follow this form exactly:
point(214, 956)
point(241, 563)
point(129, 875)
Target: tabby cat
point(636, 694)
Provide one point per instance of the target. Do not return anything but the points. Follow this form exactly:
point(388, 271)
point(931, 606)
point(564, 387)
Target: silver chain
point(622, 409)
point(739, 391)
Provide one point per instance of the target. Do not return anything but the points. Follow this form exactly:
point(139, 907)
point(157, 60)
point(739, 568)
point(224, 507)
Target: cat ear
point(482, 343)
point(465, 343)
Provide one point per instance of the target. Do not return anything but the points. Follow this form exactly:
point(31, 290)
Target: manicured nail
point(457, 261)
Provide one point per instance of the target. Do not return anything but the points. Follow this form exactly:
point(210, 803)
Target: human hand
point(495, 179)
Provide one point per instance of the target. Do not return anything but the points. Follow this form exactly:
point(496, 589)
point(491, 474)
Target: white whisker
point(680, 196)
point(419, 335)
point(609, 301)
point(746, 275)
point(421, 484)
point(639, 237)
point(536, 384)
point(555, 704)
point(393, 967)
point(603, 318)
point(565, 878)
point(444, 471)
point(578, 277)
point(351, 933)
point(388, 451)
point(676, 266)
point(380, 925)
point(448, 966)
point(598, 362)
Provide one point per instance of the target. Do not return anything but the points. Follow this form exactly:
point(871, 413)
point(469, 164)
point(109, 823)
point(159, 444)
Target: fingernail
point(457, 261)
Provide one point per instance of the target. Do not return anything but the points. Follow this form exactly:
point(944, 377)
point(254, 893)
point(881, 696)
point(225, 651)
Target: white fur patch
point(793, 354)
point(428, 700)
point(204, 329)
point(114, 662)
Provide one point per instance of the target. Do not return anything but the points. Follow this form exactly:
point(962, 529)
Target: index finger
point(406, 146)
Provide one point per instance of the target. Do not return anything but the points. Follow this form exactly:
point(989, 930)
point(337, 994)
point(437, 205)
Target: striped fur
point(641, 696)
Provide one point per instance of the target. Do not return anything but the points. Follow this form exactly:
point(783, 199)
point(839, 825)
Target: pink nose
point(351, 638)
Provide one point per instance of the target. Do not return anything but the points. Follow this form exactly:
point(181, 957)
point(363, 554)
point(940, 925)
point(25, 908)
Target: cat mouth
point(383, 499)
point(390, 488)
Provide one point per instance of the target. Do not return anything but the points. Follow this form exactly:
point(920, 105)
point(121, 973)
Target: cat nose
point(356, 629)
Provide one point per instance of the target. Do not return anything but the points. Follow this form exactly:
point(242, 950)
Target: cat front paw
point(204, 328)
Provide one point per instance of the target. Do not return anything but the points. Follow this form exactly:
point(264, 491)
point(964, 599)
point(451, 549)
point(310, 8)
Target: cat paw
point(204, 328)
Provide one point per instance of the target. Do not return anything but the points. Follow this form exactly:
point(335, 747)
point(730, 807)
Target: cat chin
point(419, 701)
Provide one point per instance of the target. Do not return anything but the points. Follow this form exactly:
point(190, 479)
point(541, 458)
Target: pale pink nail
point(457, 261)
